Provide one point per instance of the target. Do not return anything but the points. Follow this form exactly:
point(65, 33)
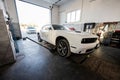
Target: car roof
point(51, 24)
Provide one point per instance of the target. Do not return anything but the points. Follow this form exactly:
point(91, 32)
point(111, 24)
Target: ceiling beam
point(40, 3)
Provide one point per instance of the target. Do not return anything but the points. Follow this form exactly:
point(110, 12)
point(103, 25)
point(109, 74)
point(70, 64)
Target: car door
point(46, 33)
point(42, 32)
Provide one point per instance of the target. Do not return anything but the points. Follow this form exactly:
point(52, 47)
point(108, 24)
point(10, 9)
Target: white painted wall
point(92, 10)
point(68, 7)
point(55, 15)
point(101, 11)
point(62, 17)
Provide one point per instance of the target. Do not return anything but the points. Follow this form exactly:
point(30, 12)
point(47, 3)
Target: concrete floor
point(35, 62)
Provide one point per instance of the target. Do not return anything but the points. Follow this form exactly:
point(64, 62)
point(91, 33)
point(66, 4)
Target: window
point(58, 27)
point(46, 28)
point(43, 28)
point(73, 16)
point(77, 15)
point(68, 17)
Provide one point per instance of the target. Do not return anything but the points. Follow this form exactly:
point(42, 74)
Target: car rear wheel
point(63, 48)
point(39, 38)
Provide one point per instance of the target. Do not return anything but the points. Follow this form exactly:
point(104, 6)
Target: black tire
point(63, 48)
point(39, 38)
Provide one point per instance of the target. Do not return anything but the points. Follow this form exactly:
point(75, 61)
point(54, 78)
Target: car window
point(30, 28)
point(43, 28)
point(47, 28)
point(59, 27)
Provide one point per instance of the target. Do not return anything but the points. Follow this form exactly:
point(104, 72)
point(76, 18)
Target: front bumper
point(84, 48)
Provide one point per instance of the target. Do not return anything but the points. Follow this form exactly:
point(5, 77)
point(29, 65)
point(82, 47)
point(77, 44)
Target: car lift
point(82, 59)
point(38, 43)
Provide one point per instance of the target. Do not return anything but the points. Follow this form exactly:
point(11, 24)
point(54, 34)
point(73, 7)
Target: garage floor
point(35, 62)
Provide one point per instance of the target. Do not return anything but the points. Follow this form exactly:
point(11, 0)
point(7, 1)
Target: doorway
point(31, 18)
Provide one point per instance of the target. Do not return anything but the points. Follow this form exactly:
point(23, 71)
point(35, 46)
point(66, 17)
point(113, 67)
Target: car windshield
point(30, 28)
point(59, 27)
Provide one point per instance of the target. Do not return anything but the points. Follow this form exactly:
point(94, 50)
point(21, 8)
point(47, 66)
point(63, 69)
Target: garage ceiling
point(46, 3)
point(59, 3)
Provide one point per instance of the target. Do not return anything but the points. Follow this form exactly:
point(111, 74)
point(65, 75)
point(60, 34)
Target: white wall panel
point(101, 11)
point(69, 7)
point(55, 15)
point(93, 10)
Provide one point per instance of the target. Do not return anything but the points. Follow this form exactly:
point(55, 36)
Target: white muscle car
point(67, 41)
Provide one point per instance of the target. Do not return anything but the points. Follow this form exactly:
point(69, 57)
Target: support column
point(7, 50)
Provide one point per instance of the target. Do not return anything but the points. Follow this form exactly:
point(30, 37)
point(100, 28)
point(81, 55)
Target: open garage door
point(32, 18)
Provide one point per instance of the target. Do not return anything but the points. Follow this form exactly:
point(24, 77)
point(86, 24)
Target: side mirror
point(50, 28)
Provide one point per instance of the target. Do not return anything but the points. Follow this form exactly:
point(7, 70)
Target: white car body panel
point(74, 39)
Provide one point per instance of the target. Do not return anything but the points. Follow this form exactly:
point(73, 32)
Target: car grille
point(88, 40)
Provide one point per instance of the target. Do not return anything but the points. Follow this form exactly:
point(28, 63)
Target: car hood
point(82, 34)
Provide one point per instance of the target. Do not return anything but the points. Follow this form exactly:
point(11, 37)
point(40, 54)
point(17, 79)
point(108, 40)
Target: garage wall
point(101, 11)
point(11, 9)
point(68, 7)
point(7, 50)
point(55, 15)
point(2, 7)
point(93, 10)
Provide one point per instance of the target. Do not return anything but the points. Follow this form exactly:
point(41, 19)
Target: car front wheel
point(63, 48)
